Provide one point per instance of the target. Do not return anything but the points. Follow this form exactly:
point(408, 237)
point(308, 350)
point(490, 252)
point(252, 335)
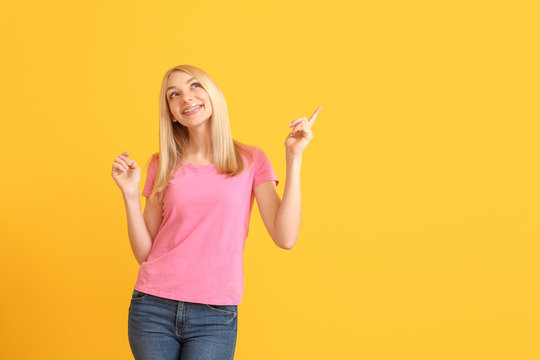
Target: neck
point(199, 143)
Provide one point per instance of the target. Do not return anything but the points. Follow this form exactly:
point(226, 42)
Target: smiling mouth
point(193, 110)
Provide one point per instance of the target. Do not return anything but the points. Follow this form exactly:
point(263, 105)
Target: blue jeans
point(160, 328)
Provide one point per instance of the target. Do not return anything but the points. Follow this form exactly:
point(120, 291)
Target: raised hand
point(301, 134)
point(127, 174)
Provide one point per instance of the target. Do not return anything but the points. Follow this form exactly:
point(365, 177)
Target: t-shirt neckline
point(197, 166)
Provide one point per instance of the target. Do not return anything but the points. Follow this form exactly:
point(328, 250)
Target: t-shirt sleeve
point(150, 176)
point(263, 168)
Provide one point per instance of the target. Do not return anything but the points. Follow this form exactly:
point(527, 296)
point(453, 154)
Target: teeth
point(191, 109)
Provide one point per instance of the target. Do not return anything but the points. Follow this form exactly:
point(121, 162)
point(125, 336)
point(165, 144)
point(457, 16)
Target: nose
point(187, 98)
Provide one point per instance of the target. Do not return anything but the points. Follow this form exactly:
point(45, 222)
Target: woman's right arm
point(142, 229)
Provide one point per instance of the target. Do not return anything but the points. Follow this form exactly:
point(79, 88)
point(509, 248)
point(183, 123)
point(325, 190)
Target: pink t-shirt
point(197, 255)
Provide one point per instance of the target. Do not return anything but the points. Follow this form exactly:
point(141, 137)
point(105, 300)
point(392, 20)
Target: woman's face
point(183, 93)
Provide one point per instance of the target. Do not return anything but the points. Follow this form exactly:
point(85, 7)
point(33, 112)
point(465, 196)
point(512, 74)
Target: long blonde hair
point(173, 136)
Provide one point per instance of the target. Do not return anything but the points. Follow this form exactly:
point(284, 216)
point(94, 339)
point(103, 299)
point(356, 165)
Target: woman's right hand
point(127, 174)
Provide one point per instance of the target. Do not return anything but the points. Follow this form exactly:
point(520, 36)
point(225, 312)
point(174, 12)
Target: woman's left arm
point(282, 218)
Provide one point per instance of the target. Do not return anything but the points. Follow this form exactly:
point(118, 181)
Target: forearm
point(289, 215)
point(139, 236)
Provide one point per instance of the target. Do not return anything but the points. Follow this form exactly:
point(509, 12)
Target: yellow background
point(420, 233)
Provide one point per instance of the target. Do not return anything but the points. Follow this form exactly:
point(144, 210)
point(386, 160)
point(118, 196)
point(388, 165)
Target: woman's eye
point(171, 94)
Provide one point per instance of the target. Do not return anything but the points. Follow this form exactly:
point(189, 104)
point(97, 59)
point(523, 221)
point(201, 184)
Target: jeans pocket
point(224, 309)
point(138, 295)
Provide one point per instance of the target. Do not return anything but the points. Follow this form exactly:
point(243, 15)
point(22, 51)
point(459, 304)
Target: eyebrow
point(174, 87)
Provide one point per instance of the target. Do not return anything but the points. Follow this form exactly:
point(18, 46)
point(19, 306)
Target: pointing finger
point(314, 116)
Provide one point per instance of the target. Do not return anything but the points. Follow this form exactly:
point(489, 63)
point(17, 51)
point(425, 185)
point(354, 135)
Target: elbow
point(286, 245)
point(141, 260)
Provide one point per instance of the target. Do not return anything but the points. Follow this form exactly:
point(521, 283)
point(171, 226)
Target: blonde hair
point(173, 136)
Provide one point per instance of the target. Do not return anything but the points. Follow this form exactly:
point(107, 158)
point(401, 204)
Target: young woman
point(189, 243)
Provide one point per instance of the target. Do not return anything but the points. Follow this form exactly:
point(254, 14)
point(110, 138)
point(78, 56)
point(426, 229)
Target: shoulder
point(244, 146)
point(259, 153)
point(261, 160)
point(252, 152)
point(253, 149)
